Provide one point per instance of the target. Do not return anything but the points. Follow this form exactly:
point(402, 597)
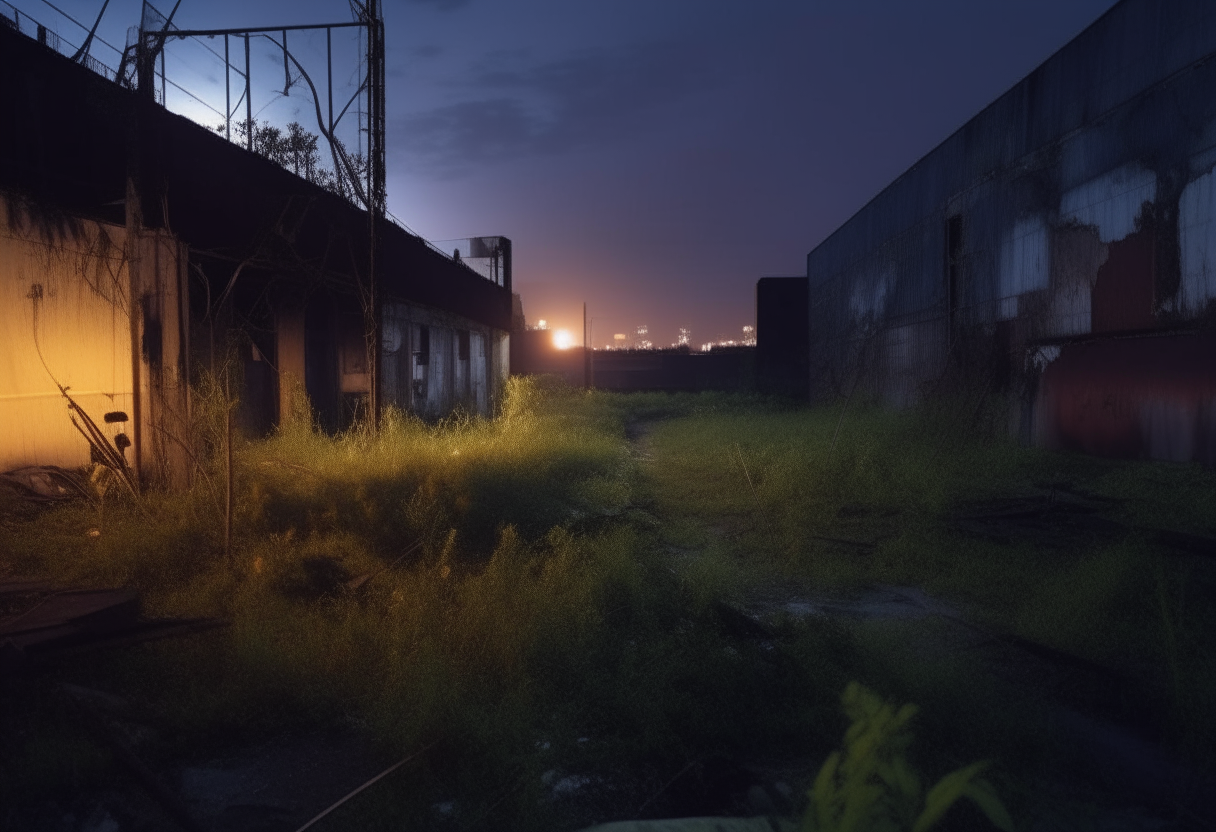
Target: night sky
point(652, 158)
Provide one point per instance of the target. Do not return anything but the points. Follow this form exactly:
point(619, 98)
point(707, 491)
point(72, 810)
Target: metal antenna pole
point(376, 189)
point(82, 54)
point(329, 84)
point(227, 93)
point(248, 102)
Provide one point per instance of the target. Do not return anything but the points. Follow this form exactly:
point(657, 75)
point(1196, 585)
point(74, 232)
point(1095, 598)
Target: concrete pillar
point(160, 352)
point(289, 350)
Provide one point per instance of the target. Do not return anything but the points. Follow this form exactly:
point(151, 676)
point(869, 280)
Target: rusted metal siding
point(1150, 396)
point(1080, 206)
point(64, 317)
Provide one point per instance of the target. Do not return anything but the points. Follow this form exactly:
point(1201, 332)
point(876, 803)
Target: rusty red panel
point(1123, 291)
point(1148, 397)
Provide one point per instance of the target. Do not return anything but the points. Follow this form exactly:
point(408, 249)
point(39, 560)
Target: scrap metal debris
point(81, 619)
point(46, 483)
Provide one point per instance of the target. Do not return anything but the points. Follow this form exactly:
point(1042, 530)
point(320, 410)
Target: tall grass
point(531, 609)
point(784, 493)
point(548, 598)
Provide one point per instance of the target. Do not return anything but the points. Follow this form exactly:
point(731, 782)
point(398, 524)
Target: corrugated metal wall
point(65, 317)
point(434, 362)
point(1080, 207)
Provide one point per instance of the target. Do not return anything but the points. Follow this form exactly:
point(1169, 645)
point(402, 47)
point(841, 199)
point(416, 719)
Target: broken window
point(954, 265)
point(422, 358)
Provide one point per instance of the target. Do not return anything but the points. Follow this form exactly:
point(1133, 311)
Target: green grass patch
point(553, 598)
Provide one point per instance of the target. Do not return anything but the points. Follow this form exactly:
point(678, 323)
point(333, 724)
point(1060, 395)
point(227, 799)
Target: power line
point(82, 26)
point(198, 40)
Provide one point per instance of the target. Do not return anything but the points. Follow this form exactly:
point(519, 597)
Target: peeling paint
point(868, 302)
point(1078, 254)
point(1111, 202)
point(1197, 243)
point(1033, 251)
point(1024, 263)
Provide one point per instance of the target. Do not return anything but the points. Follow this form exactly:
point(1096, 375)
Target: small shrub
point(871, 786)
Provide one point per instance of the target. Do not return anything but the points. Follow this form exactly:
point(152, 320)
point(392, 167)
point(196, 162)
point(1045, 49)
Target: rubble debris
point(46, 483)
point(155, 787)
point(81, 619)
point(1058, 520)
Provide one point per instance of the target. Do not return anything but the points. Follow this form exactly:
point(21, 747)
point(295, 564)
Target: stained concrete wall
point(85, 305)
point(1075, 212)
point(64, 317)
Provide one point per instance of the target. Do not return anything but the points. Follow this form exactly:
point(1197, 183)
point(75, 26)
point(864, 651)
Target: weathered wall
point(434, 361)
point(64, 317)
point(263, 243)
point(1076, 212)
point(727, 368)
point(86, 305)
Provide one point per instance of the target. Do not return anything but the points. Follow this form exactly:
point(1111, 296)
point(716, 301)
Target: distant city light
point(643, 343)
point(562, 339)
point(542, 324)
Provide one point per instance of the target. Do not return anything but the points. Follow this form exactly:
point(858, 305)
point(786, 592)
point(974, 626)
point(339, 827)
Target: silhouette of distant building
point(781, 335)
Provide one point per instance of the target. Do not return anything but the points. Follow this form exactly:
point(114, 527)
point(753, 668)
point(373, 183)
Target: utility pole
point(375, 199)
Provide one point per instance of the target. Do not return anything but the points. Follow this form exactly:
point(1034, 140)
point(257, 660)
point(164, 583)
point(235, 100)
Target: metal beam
point(248, 102)
point(227, 93)
point(256, 30)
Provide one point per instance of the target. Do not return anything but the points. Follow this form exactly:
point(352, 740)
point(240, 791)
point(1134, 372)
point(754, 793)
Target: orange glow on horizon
point(562, 339)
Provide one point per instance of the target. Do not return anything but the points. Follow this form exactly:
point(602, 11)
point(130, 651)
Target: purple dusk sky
point(652, 158)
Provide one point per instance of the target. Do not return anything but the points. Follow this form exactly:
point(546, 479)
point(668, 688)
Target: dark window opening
point(954, 264)
point(422, 358)
point(422, 355)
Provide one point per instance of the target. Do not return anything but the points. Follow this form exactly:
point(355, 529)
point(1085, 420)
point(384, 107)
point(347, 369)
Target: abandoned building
point(1058, 252)
point(140, 251)
point(781, 336)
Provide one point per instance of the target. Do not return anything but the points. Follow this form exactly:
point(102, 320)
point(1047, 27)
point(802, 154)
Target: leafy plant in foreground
point(871, 786)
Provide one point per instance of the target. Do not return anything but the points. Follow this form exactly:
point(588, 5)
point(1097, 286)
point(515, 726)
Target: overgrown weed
point(530, 607)
point(543, 588)
point(895, 481)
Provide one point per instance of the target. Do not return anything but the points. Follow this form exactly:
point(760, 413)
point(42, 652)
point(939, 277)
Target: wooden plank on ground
point(96, 610)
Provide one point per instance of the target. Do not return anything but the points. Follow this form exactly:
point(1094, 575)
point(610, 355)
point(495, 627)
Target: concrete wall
point(85, 305)
point(64, 294)
point(1074, 213)
point(727, 368)
point(533, 353)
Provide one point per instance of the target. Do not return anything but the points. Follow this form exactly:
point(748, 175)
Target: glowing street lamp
point(562, 339)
